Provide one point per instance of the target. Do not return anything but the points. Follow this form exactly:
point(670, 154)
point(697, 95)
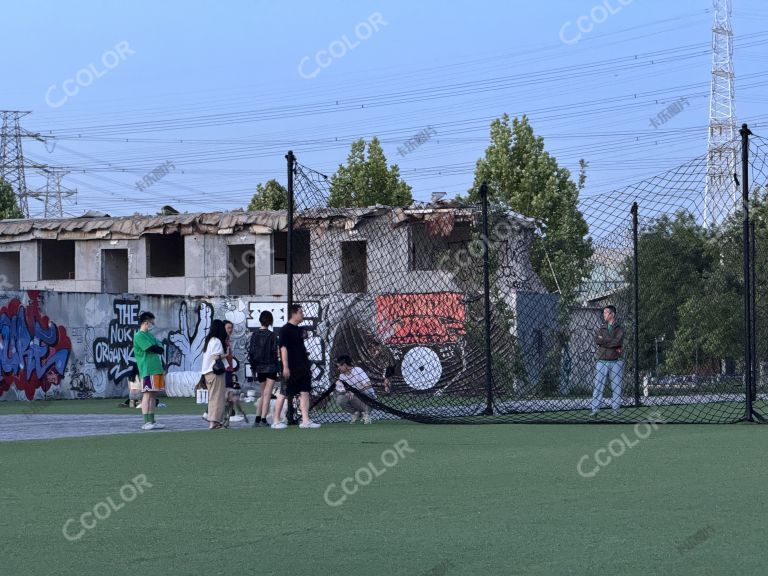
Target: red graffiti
point(33, 350)
point(420, 318)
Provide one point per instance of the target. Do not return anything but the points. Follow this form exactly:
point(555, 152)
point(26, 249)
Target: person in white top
point(214, 350)
point(353, 377)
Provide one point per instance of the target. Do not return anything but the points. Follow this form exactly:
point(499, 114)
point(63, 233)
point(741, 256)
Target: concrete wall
point(76, 345)
point(387, 256)
point(535, 325)
point(75, 341)
point(207, 270)
point(389, 273)
point(206, 267)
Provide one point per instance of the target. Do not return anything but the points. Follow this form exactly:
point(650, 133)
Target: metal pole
point(635, 306)
point(289, 242)
point(487, 300)
point(745, 133)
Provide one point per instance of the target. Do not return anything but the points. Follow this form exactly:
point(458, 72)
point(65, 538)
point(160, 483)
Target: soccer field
point(422, 500)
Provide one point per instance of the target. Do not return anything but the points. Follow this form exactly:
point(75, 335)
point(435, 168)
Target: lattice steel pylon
point(53, 193)
point(721, 195)
point(12, 158)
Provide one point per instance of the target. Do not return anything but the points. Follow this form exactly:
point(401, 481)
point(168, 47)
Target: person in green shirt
point(148, 351)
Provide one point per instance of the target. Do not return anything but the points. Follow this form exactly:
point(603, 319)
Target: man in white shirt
point(353, 377)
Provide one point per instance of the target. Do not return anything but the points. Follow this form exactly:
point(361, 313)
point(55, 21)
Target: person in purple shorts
point(148, 352)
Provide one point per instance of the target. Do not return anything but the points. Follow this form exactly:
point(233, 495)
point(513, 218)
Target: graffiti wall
point(114, 352)
point(34, 351)
point(78, 345)
point(72, 345)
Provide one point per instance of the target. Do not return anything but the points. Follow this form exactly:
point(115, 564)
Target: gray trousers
point(352, 405)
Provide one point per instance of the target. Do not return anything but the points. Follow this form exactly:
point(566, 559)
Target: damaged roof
point(131, 227)
point(104, 227)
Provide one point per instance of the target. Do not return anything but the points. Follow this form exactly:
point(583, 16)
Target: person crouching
point(354, 377)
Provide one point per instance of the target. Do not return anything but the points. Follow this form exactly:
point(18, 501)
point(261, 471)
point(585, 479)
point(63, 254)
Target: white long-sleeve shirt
point(213, 349)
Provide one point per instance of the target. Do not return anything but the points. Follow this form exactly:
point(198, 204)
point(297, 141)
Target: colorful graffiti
point(417, 341)
point(421, 318)
point(115, 352)
point(425, 334)
point(33, 350)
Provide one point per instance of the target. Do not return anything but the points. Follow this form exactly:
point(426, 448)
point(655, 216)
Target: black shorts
point(264, 376)
point(300, 381)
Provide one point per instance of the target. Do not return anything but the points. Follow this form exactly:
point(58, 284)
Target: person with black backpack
point(263, 358)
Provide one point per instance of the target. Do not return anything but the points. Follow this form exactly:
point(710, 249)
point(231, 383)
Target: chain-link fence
point(443, 311)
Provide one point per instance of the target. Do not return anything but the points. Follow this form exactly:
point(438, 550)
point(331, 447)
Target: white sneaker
point(355, 418)
point(309, 424)
point(161, 405)
point(279, 426)
point(205, 416)
point(367, 418)
point(236, 418)
point(152, 426)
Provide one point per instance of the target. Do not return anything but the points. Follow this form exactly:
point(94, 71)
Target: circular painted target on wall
point(421, 368)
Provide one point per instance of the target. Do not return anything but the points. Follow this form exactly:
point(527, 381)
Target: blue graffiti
point(30, 352)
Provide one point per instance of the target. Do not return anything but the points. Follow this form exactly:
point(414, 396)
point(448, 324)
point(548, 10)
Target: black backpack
point(259, 348)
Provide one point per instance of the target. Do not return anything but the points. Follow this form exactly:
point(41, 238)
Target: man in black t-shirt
point(297, 371)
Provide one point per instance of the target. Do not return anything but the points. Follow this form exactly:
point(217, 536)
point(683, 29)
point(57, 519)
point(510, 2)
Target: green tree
point(711, 325)
point(674, 257)
point(9, 208)
point(524, 177)
point(269, 196)
point(368, 181)
point(711, 321)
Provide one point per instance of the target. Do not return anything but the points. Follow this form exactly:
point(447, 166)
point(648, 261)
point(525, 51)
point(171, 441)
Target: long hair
point(226, 342)
point(217, 331)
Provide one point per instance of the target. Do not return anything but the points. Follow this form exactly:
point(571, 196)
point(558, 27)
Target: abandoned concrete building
point(395, 278)
point(244, 253)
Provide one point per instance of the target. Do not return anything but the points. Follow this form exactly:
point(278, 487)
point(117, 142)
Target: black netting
point(759, 270)
point(401, 291)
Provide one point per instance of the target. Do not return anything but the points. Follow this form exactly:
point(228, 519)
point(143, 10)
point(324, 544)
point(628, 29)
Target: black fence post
point(635, 306)
point(745, 133)
point(289, 236)
point(487, 301)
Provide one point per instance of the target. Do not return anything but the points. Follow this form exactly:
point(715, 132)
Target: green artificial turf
point(495, 499)
point(704, 413)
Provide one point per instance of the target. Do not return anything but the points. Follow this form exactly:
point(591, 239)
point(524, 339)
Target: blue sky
point(215, 89)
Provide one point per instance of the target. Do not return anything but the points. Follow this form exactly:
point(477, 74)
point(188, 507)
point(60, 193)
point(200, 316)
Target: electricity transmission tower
point(720, 194)
point(11, 156)
point(53, 193)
